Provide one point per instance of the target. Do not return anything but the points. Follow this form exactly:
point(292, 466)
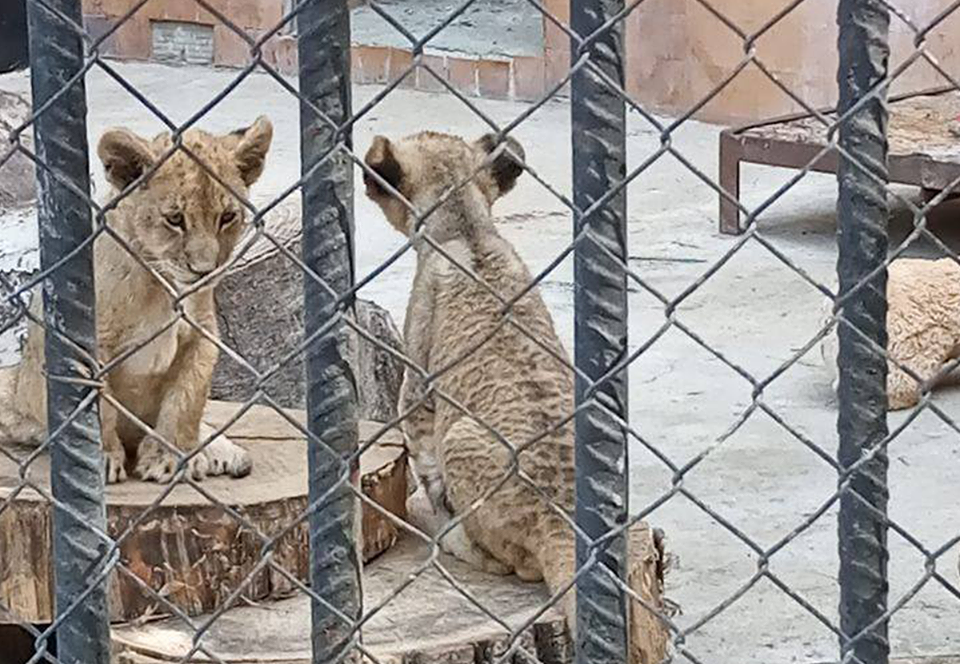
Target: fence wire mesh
point(81, 382)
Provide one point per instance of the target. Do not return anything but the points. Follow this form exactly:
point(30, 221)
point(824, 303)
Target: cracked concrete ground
point(754, 310)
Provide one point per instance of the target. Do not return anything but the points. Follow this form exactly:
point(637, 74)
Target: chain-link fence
point(504, 429)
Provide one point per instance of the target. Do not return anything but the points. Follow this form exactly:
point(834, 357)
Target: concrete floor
point(754, 310)
point(485, 28)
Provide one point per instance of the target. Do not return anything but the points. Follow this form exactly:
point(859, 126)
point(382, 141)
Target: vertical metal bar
point(56, 55)
point(335, 563)
point(862, 238)
point(600, 331)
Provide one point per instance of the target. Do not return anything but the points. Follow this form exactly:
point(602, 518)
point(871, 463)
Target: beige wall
point(519, 78)
point(133, 39)
point(678, 52)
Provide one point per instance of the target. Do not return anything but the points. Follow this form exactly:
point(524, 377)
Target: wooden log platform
point(428, 622)
point(187, 549)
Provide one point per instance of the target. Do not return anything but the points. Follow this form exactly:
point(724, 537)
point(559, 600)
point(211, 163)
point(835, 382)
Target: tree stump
point(19, 257)
point(189, 550)
point(260, 309)
point(430, 622)
point(18, 185)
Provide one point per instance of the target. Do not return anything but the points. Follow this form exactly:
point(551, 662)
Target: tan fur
point(165, 379)
point(923, 326)
point(496, 373)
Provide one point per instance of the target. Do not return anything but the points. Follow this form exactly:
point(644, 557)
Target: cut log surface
point(188, 549)
point(429, 621)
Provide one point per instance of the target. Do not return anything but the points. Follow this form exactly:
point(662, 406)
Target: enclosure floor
point(754, 310)
point(487, 27)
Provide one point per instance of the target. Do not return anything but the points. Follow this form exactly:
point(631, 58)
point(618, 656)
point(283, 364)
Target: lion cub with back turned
point(184, 224)
point(488, 368)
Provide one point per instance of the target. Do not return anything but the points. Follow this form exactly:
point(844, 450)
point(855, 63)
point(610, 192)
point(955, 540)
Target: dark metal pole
point(335, 563)
point(56, 55)
point(862, 239)
point(600, 332)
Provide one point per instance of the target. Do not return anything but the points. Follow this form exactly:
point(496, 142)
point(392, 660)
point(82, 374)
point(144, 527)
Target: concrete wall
point(490, 75)
point(134, 39)
point(178, 42)
point(677, 52)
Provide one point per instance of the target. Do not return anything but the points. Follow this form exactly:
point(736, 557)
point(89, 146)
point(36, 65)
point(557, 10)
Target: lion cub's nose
point(201, 266)
point(202, 255)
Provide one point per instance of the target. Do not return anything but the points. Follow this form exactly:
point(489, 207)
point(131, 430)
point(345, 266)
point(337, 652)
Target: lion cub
point(184, 224)
point(493, 377)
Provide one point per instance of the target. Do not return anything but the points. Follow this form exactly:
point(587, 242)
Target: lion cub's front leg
point(180, 423)
point(415, 400)
point(114, 455)
point(418, 436)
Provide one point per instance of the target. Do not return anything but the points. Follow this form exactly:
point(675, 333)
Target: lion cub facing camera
point(491, 377)
point(184, 224)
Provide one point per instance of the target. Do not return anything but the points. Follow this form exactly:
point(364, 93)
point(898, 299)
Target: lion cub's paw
point(113, 461)
point(225, 456)
point(156, 463)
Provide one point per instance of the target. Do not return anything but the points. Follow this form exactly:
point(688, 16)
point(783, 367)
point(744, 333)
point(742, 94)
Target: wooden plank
point(922, 125)
point(923, 134)
point(188, 549)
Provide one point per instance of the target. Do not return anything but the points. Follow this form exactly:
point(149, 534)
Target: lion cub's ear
point(125, 156)
point(508, 164)
point(381, 159)
point(252, 147)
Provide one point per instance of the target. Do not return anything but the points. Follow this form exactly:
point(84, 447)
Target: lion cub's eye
point(227, 218)
point(175, 220)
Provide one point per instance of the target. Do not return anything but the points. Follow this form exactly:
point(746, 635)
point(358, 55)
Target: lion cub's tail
point(649, 636)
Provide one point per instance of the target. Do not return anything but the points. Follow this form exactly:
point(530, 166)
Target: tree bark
point(189, 550)
point(260, 309)
point(19, 256)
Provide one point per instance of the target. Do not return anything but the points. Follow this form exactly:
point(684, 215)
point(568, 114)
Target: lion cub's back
point(514, 383)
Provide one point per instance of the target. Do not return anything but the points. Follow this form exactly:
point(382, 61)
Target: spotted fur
point(923, 326)
point(501, 388)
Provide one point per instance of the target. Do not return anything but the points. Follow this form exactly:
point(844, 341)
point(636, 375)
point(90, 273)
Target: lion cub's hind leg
point(432, 517)
point(459, 545)
point(459, 438)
